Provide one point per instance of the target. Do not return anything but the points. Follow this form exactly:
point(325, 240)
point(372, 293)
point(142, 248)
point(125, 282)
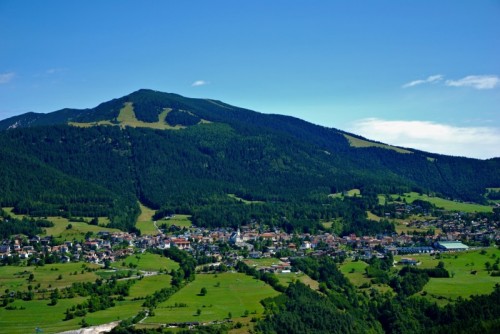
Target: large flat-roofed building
point(450, 246)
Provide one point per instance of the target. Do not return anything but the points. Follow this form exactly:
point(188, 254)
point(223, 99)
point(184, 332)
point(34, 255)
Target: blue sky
point(423, 74)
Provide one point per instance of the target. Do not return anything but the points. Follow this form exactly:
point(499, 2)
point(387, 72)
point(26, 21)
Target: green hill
point(106, 158)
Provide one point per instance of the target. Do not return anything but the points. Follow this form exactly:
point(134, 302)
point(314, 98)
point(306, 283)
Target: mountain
point(179, 154)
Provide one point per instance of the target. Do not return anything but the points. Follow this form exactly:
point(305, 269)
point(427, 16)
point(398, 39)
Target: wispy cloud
point(55, 70)
point(474, 142)
point(6, 77)
point(198, 83)
point(430, 79)
point(475, 81)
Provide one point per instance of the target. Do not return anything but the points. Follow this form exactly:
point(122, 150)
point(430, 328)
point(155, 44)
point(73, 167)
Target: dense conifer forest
point(286, 165)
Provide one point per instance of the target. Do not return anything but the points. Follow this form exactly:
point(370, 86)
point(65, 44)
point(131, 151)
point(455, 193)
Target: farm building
point(451, 246)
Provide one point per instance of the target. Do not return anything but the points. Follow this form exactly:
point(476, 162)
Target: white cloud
point(475, 81)
point(6, 77)
point(430, 79)
point(198, 83)
point(474, 142)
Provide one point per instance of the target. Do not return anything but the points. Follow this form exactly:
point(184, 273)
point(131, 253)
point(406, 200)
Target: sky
point(421, 74)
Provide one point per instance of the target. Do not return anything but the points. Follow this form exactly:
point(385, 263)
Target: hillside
point(107, 157)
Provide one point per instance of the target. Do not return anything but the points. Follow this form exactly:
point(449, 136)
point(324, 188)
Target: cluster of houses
point(111, 246)
point(461, 226)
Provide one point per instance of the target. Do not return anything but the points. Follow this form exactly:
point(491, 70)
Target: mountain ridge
point(113, 107)
point(219, 149)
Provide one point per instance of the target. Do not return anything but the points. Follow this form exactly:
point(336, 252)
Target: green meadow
point(360, 143)
point(464, 282)
point(440, 203)
point(145, 221)
point(355, 272)
point(15, 278)
point(264, 262)
point(146, 262)
point(49, 319)
point(349, 193)
point(287, 278)
point(147, 285)
point(177, 220)
point(77, 231)
point(233, 293)
point(37, 313)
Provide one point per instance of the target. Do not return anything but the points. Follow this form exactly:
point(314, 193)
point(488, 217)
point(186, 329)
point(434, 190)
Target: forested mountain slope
point(216, 150)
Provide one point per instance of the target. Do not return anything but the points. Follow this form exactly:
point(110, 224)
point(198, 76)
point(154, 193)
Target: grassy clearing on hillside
point(147, 262)
point(287, 278)
point(373, 216)
point(88, 125)
point(127, 117)
point(78, 230)
point(349, 193)
point(460, 265)
point(147, 228)
point(360, 143)
point(355, 272)
point(239, 199)
point(15, 278)
point(445, 204)
point(177, 220)
point(145, 221)
point(148, 285)
point(284, 278)
point(227, 293)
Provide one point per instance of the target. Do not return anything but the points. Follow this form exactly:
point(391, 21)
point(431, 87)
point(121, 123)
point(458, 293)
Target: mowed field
point(227, 293)
point(461, 266)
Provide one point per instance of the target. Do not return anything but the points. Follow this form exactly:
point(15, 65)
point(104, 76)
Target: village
point(225, 245)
